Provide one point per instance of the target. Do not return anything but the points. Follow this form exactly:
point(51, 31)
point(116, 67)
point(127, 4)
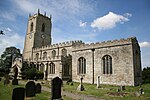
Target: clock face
point(42, 36)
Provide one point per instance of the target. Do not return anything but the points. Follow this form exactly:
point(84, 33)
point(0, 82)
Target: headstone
point(15, 82)
point(80, 87)
point(98, 82)
point(18, 93)
point(122, 88)
point(38, 88)
point(0, 79)
point(30, 89)
point(141, 91)
point(6, 81)
point(56, 88)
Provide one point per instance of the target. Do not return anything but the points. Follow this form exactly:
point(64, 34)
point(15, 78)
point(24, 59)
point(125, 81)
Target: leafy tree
point(146, 75)
point(29, 71)
point(7, 57)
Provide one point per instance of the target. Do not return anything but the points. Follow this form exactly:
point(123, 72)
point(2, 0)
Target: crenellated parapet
point(59, 45)
point(106, 44)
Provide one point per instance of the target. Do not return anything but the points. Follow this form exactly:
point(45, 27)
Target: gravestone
point(141, 91)
point(56, 88)
point(0, 79)
point(18, 93)
point(80, 87)
point(122, 88)
point(98, 82)
point(38, 88)
point(6, 81)
point(30, 89)
point(15, 82)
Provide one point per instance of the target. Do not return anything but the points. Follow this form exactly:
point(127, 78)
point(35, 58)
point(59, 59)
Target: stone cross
point(98, 81)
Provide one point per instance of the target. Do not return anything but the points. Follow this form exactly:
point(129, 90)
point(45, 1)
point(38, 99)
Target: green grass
point(6, 92)
point(103, 91)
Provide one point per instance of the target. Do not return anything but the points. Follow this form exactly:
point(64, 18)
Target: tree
point(29, 71)
point(7, 57)
point(146, 75)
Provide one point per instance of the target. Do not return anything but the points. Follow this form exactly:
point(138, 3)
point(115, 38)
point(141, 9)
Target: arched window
point(31, 27)
point(42, 67)
point(64, 52)
point(37, 56)
point(43, 27)
point(45, 55)
point(53, 54)
point(107, 64)
point(81, 65)
point(52, 68)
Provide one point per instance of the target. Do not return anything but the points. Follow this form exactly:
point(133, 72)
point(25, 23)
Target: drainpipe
point(93, 64)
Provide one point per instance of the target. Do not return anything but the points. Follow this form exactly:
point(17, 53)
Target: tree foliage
point(29, 71)
point(146, 75)
point(7, 57)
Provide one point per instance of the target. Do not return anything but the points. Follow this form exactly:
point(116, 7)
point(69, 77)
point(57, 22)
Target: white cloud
point(109, 21)
point(8, 15)
point(144, 44)
point(10, 38)
point(82, 24)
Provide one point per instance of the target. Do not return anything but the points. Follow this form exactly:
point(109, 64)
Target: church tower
point(38, 34)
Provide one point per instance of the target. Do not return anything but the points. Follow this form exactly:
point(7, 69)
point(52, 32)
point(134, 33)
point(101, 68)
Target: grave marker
point(38, 88)
point(30, 89)
point(56, 88)
point(18, 93)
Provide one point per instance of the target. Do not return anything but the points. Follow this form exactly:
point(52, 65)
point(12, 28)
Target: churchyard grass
point(105, 89)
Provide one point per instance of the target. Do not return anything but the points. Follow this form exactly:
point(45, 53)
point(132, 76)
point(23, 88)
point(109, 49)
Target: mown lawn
point(105, 89)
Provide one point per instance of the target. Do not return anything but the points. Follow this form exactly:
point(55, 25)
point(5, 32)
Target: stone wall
point(122, 62)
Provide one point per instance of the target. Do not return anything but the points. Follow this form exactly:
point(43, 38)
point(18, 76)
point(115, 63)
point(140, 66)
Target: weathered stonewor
point(38, 88)
point(18, 93)
point(56, 88)
point(30, 89)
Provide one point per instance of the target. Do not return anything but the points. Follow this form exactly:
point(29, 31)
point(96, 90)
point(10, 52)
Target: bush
point(39, 74)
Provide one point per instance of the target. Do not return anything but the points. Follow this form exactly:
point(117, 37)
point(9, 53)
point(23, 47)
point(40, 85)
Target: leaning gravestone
point(56, 88)
point(15, 82)
point(38, 88)
point(18, 93)
point(30, 89)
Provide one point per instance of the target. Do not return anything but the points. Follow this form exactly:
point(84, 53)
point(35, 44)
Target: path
point(74, 96)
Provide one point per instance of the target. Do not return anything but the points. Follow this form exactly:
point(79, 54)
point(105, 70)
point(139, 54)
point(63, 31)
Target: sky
point(86, 20)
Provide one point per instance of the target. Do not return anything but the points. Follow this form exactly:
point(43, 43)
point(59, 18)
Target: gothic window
point(52, 68)
point(53, 54)
point(64, 52)
point(37, 56)
point(42, 67)
point(107, 64)
point(81, 65)
point(43, 27)
point(44, 55)
point(31, 27)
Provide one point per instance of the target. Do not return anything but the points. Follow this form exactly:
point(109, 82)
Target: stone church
point(116, 62)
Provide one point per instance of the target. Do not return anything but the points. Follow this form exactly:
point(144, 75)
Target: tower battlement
point(60, 45)
point(108, 43)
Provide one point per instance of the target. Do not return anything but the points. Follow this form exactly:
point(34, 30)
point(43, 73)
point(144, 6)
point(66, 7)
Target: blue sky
point(86, 20)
